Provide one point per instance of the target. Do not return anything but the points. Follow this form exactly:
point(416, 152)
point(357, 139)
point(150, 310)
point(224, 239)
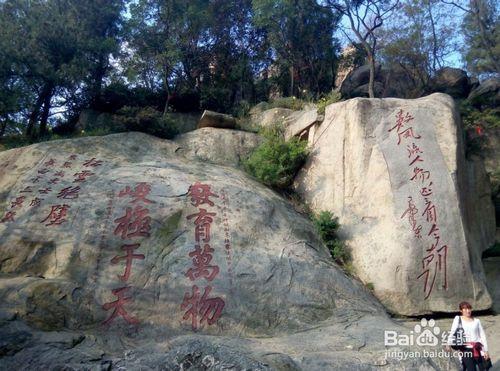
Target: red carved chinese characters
point(201, 308)
point(18, 202)
point(69, 193)
point(200, 194)
point(139, 193)
point(35, 202)
point(92, 162)
point(411, 212)
point(134, 224)
point(227, 242)
point(129, 249)
point(57, 215)
point(50, 183)
point(201, 263)
point(8, 217)
point(82, 176)
point(435, 256)
point(117, 305)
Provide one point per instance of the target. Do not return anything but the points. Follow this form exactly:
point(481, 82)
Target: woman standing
point(475, 346)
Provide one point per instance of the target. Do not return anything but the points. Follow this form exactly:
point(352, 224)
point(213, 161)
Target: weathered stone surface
point(486, 94)
point(304, 120)
point(271, 116)
point(216, 120)
point(286, 304)
point(492, 272)
point(218, 146)
point(452, 81)
point(389, 185)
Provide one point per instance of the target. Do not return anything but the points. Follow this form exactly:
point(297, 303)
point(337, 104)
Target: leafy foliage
point(332, 97)
point(302, 47)
point(276, 161)
point(327, 226)
point(481, 29)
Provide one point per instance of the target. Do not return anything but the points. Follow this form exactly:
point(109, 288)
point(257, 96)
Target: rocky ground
point(491, 325)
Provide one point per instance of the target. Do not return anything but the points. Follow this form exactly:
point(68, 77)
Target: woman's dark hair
point(464, 304)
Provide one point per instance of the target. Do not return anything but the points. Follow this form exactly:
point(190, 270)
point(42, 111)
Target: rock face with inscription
point(394, 173)
point(116, 252)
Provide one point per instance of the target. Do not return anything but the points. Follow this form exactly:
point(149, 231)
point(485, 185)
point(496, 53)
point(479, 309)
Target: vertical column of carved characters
point(200, 308)
point(135, 223)
point(435, 257)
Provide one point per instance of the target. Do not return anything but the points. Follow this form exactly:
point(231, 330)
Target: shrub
point(332, 97)
point(276, 161)
point(493, 251)
point(241, 109)
point(287, 102)
point(147, 120)
point(327, 225)
point(472, 117)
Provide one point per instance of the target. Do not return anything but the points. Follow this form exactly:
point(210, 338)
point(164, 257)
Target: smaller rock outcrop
point(216, 120)
point(486, 94)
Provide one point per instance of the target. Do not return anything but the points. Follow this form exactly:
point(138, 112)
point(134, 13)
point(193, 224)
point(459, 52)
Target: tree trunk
point(45, 94)
point(167, 88)
point(3, 126)
point(45, 112)
point(98, 76)
point(435, 57)
point(371, 82)
point(30, 129)
point(291, 80)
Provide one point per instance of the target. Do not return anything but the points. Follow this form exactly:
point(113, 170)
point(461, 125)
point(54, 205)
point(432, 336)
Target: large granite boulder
point(389, 82)
point(452, 81)
point(218, 146)
point(119, 254)
point(411, 207)
point(353, 84)
point(271, 116)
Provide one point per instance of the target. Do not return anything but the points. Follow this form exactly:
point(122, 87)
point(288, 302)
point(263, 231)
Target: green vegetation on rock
point(276, 161)
point(328, 99)
point(327, 226)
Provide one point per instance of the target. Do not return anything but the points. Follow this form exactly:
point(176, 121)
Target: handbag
point(487, 363)
point(458, 336)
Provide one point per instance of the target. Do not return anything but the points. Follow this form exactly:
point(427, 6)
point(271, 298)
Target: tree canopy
point(59, 57)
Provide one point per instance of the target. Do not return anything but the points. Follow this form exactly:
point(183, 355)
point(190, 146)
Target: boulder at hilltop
point(415, 214)
point(218, 146)
point(117, 253)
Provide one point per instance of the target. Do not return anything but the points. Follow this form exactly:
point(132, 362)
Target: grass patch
point(292, 103)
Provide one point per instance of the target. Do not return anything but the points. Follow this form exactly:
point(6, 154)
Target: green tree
point(300, 35)
point(418, 40)
point(167, 41)
point(52, 47)
point(365, 17)
point(481, 28)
